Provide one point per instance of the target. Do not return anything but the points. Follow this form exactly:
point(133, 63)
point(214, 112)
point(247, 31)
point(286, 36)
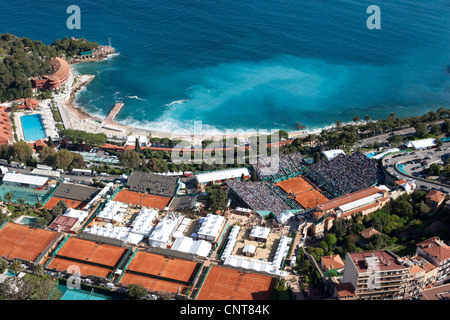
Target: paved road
point(382, 138)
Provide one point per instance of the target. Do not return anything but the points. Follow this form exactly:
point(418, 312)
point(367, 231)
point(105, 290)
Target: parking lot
point(410, 166)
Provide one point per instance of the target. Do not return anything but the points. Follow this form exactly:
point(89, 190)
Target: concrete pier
point(114, 112)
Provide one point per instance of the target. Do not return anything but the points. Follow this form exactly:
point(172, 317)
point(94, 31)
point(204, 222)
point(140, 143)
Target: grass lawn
point(285, 294)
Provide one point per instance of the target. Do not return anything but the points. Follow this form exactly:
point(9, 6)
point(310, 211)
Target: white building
point(131, 140)
point(143, 223)
point(161, 235)
point(24, 180)
point(210, 227)
point(46, 173)
point(421, 144)
point(200, 248)
point(254, 264)
point(231, 242)
point(331, 154)
point(249, 250)
point(113, 211)
point(282, 251)
point(259, 233)
point(220, 176)
point(119, 233)
point(77, 214)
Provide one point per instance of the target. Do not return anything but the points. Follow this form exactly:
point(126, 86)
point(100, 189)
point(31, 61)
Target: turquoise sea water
point(32, 126)
point(254, 63)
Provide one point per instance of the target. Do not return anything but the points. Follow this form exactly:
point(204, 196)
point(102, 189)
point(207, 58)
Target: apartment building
point(438, 253)
point(376, 275)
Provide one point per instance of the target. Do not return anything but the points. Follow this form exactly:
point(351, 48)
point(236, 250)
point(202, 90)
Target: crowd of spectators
point(288, 164)
point(344, 174)
point(260, 196)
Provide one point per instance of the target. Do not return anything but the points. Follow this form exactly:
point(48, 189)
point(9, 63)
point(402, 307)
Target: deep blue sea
point(252, 63)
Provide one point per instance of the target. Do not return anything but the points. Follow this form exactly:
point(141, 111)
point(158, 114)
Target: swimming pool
point(26, 220)
point(33, 128)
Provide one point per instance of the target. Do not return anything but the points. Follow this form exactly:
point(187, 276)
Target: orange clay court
point(24, 242)
point(305, 194)
point(229, 284)
point(143, 199)
point(84, 269)
point(90, 251)
point(74, 204)
point(152, 284)
point(155, 264)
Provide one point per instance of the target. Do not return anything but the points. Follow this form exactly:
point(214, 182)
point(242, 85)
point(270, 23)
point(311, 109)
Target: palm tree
point(367, 118)
point(8, 196)
point(21, 203)
point(38, 269)
point(16, 267)
point(356, 119)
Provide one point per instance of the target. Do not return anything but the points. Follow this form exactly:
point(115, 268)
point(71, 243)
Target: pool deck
point(48, 122)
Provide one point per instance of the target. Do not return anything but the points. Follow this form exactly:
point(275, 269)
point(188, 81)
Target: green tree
point(254, 176)
point(217, 199)
point(130, 159)
point(47, 156)
point(16, 266)
point(435, 169)
point(22, 151)
point(137, 146)
point(421, 130)
point(63, 158)
point(8, 196)
point(78, 161)
point(3, 265)
point(38, 269)
point(330, 239)
point(137, 291)
point(395, 140)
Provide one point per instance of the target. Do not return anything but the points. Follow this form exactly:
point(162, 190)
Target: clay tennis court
point(143, 199)
point(24, 242)
point(84, 269)
point(305, 194)
point(155, 264)
point(228, 284)
point(152, 284)
point(70, 203)
point(90, 251)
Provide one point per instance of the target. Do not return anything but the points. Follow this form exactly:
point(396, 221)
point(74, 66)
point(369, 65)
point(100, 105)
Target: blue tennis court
point(80, 294)
point(33, 128)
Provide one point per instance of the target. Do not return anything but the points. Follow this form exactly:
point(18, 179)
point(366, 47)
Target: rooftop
point(382, 260)
point(437, 293)
point(75, 192)
point(435, 248)
point(332, 262)
point(153, 183)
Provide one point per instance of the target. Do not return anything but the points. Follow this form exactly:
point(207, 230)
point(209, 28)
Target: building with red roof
point(332, 262)
point(438, 253)
point(344, 207)
point(6, 135)
point(435, 199)
point(60, 74)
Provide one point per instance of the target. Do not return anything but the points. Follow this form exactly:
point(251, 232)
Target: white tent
point(421, 144)
point(188, 245)
point(331, 154)
point(210, 227)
